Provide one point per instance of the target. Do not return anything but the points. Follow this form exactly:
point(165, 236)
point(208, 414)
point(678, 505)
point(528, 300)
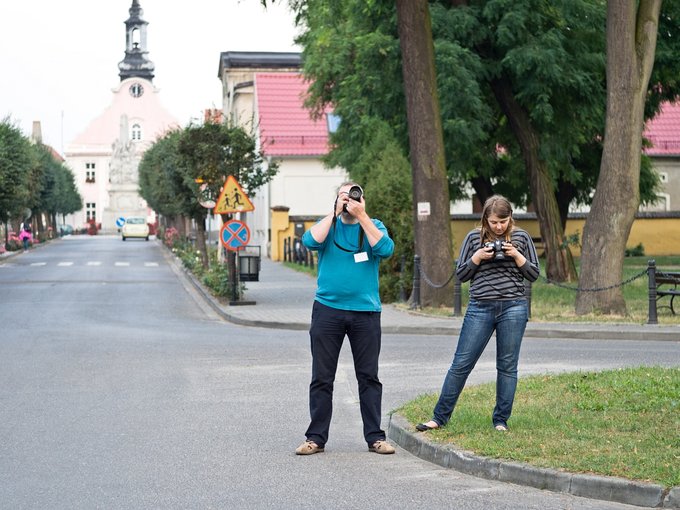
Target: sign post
point(234, 236)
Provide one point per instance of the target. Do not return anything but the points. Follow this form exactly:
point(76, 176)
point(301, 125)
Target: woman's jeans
point(509, 320)
point(327, 332)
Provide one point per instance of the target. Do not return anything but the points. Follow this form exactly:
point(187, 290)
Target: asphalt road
point(120, 389)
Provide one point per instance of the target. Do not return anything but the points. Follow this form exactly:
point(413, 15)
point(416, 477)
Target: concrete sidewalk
point(283, 299)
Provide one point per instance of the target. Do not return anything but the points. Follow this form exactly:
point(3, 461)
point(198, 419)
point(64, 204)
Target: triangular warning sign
point(232, 199)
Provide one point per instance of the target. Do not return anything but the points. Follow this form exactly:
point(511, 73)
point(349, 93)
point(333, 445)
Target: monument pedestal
point(124, 202)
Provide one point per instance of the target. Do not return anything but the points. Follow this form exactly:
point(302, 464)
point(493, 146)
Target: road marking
point(65, 264)
point(122, 264)
point(38, 263)
point(95, 263)
point(151, 264)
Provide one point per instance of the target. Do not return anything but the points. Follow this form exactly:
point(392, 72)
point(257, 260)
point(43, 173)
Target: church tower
point(105, 156)
point(135, 63)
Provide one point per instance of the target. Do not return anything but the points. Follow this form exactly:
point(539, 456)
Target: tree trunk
point(631, 44)
point(426, 143)
point(200, 241)
point(559, 262)
point(483, 188)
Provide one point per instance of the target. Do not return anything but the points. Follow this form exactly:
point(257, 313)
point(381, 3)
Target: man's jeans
point(509, 320)
point(327, 332)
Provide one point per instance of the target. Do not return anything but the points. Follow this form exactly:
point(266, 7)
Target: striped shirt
point(497, 279)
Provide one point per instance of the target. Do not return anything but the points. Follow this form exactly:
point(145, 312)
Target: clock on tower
point(136, 89)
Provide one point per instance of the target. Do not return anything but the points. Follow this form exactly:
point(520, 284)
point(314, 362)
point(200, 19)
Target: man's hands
point(354, 208)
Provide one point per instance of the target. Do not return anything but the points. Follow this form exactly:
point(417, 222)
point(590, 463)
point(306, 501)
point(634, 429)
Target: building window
point(332, 122)
point(89, 176)
point(91, 211)
point(136, 132)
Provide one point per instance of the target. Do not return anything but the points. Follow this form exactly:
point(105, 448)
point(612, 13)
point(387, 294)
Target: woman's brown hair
point(501, 207)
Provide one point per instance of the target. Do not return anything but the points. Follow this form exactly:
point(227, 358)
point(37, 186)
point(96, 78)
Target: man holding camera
point(351, 246)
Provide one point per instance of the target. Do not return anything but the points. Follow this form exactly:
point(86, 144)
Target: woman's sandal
point(422, 427)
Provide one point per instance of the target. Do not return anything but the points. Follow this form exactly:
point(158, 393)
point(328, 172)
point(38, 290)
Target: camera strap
point(361, 239)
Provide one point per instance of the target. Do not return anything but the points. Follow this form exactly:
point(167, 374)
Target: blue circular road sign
point(234, 235)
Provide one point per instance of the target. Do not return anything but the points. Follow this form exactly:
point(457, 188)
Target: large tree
point(174, 168)
point(16, 162)
point(632, 27)
point(428, 166)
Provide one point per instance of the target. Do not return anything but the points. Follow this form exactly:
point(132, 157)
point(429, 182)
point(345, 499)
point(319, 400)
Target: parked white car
point(135, 227)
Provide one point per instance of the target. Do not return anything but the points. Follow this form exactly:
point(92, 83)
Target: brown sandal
point(308, 448)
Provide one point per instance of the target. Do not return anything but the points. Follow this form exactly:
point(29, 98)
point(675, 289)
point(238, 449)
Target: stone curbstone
point(672, 499)
point(541, 478)
point(616, 489)
point(600, 487)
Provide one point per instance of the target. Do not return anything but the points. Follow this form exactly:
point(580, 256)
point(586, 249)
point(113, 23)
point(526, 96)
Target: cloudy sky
point(59, 59)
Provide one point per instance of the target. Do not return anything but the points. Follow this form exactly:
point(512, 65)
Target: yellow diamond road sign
point(232, 199)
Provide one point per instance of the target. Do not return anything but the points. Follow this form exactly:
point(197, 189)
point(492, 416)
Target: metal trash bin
point(249, 264)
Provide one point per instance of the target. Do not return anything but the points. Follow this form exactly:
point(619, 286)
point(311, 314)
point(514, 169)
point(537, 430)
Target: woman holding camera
point(495, 258)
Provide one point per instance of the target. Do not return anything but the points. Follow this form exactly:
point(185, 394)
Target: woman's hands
point(511, 251)
point(488, 253)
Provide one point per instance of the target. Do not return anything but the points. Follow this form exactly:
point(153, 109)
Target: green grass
point(623, 423)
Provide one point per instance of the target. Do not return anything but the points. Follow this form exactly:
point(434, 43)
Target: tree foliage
point(550, 56)
point(32, 178)
point(173, 169)
point(16, 160)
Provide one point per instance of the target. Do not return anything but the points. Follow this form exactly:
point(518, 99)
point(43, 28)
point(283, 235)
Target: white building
point(105, 156)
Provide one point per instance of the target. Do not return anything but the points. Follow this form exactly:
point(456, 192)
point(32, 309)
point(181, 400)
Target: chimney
point(36, 136)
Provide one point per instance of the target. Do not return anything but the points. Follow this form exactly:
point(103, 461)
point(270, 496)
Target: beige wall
point(659, 236)
point(306, 186)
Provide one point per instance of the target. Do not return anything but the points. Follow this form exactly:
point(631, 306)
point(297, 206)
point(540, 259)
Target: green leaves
point(173, 169)
point(32, 178)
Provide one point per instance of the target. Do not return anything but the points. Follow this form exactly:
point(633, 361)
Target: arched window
point(136, 36)
point(136, 132)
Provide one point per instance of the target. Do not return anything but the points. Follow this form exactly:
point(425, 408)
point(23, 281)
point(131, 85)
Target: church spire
point(136, 62)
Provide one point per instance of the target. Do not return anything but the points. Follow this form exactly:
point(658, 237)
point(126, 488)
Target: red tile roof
point(664, 131)
point(286, 128)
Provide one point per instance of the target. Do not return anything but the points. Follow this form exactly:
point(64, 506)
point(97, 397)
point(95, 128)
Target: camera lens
point(355, 193)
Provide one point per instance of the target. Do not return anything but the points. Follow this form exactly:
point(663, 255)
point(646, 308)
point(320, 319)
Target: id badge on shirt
point(360, 257)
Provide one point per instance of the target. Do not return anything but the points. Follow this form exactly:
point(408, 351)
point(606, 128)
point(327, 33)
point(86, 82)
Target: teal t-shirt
point(344, 282)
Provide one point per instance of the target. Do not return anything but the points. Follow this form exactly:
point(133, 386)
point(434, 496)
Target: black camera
point(497, 246)
point(354, 193)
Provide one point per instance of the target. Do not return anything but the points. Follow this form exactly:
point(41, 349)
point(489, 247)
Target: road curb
point(618, 490)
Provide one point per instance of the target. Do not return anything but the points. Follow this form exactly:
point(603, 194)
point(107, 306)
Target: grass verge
point(623, 423)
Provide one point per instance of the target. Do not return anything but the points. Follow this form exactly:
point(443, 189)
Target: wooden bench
point(661, 284)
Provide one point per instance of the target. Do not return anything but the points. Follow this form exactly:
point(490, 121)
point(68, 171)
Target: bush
point(217, 280)
point(638, 251)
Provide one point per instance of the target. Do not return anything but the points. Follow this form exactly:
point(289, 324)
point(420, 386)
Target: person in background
point(26, 236)
point(350, 246)
point(496, 258)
